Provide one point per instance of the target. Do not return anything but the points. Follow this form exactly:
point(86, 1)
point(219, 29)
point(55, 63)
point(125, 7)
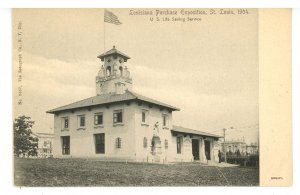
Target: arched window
point(108, 71)
point(121, 70)
point(145, 142)
point(118, 142)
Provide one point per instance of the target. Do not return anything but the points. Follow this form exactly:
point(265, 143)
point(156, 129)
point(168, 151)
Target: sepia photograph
point(136, 97)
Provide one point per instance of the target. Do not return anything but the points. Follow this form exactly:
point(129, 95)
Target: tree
point(24, 142)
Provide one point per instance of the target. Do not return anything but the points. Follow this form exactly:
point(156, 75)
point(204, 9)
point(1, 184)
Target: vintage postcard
point(152, 97)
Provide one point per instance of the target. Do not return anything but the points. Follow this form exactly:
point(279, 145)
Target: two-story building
point(119, 124)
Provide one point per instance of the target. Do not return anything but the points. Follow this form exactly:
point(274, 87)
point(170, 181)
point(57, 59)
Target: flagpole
point(104, 33)
point(109, 17)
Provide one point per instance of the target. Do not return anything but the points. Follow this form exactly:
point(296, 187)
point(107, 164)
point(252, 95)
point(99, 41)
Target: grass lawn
point(82, 172)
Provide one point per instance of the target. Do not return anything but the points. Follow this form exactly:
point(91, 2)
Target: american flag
point(111, 18)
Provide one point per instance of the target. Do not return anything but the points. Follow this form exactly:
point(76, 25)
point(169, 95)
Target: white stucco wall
point(132, 133)
point(154, 115)
point(82, 140)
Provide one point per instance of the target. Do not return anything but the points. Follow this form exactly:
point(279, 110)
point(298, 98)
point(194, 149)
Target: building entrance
point(195, 148)
point(207, 149)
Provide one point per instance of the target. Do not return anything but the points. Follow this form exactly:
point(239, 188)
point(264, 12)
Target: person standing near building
point(219, 155)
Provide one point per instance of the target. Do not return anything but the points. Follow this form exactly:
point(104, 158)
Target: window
point(65, 145)
point(179, 144)
point(81, 121)
point(165, 120)
point(166, 144)
point(98, 119)
point(145, 114)
point(118, 116)
point(145, 142)
point(108, 71)
point(100, 143)
point(144, 117)
point(45, 143)
point(121, 70)
point(118, 142)
point(65, 123)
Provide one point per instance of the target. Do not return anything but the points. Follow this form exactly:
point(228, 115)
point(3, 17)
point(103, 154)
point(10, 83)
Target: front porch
point(193, 145)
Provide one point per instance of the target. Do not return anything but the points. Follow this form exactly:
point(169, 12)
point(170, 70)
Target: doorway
point(207, 149)
point(155, 145)
point(195, 149)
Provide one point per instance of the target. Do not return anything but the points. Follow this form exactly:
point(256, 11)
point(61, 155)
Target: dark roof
point(112, 52)
point(110, 98)
point(192, 131)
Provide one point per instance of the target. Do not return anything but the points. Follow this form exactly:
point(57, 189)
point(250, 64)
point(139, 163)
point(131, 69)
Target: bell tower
point(113, 76)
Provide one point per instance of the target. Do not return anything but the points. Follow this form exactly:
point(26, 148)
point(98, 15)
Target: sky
point(209, 69)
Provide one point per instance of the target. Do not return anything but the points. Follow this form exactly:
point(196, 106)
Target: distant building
point(119, 124)
point(44, 144)
point(234, 147)
point(252, 149)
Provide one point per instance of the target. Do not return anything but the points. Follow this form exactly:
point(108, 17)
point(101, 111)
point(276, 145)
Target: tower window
point(121, 70)
point(143, 117)
point(108, 71)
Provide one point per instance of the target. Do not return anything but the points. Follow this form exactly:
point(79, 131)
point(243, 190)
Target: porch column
point(202, 151)
point(212, 150)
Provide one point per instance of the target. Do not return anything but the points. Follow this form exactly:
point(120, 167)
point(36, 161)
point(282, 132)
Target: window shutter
point(145, 142)
point(118, 142)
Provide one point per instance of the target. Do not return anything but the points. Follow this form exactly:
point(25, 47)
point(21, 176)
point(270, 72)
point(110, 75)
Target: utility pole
point(224, 134)
point(224, 130)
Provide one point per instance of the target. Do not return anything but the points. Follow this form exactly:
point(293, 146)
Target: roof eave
point(213, 136)
point(161, 105)
point(55, 111)
point(51, 112)
point(104, 55)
